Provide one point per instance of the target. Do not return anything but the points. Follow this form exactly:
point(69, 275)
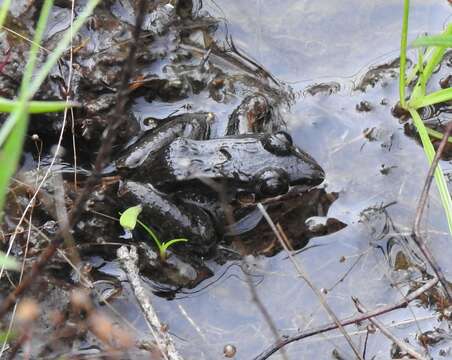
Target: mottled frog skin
point(178, 173)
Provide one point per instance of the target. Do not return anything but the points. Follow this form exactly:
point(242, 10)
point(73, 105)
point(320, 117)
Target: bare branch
point(354, 320)
point(401, 344)
point(129, 260)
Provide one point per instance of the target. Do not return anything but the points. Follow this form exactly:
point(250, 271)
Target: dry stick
point(401, 344)
point(416, 233)
point(102, 159)
point(128, 261)
point(357, 319)
point(304, 276)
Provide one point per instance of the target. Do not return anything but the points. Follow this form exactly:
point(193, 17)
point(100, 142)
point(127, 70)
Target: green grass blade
point(34, 49)
point(430, 99)
point(4, 11)
point(167, 244)
point(437, 134)
point(417, 68)
point(36, 107)
point(13, 132)
point(151, 233)
point(10, 155)
point(435, 58)
point(434, 40)
point(62, 46)
point(403, 46)
point(439, 176)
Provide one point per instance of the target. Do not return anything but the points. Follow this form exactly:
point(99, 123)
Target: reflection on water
point(305, 39)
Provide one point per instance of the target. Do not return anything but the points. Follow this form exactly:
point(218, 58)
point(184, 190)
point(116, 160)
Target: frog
point(187, 178)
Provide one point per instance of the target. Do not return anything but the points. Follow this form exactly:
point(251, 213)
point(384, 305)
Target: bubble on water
point(229, 351)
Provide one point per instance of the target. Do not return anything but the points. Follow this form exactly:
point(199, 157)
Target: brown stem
point(332, 326)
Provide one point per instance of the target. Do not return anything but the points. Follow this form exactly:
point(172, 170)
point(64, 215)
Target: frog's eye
point(271, 182)
point(279, 143)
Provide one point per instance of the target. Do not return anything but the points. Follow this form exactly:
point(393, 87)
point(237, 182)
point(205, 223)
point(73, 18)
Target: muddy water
point(376, 169)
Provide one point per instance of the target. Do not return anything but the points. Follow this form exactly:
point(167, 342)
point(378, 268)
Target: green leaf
point(433, 40)
point(430, 99)
point(128, 219)
point(8, 262)
point(35, 107)
point(167, 244)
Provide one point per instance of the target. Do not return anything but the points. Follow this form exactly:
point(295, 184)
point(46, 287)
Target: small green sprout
point(128, 221)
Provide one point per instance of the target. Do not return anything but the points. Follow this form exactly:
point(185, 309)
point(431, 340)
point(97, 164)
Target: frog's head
point(262, 165)
point(287, 165)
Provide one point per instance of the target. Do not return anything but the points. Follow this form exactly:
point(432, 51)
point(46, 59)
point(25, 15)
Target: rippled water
point(378, 178)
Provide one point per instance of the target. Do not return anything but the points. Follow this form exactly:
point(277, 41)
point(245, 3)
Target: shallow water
point(304, 43)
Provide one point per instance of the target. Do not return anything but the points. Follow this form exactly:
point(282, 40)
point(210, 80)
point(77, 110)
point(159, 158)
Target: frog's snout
point(317, 177)
point(313, 174)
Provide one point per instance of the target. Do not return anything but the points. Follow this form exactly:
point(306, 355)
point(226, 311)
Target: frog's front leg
point(172, 218)
point(254, 115)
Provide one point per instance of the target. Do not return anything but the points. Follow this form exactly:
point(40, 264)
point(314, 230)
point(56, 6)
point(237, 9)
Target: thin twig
point(304, 276)
point(401, 344)
point(416, 233)
point(128, 260)
point(354, 320)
